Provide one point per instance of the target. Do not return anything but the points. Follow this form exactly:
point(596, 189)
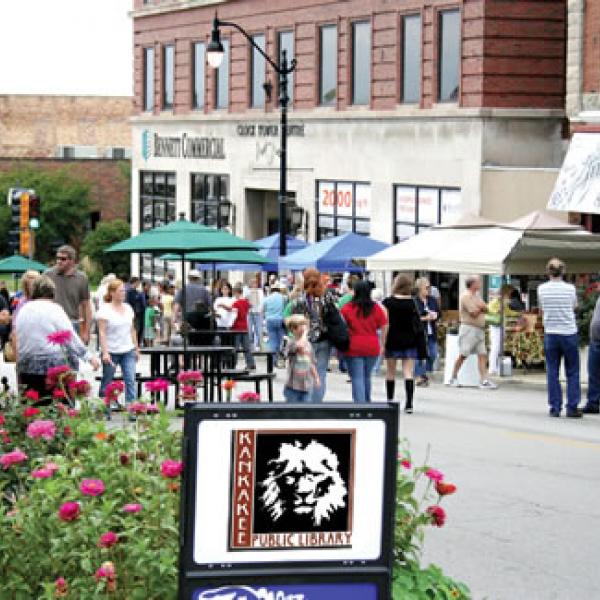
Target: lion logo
point(304, 481)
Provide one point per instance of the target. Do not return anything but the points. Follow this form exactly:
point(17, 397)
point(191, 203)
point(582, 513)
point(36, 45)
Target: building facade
point(402, 114)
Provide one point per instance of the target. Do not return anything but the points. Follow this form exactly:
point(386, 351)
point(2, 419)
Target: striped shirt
point(558, 300)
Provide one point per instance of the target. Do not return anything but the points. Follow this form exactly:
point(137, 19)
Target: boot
point(390, 387)
point(409, 387)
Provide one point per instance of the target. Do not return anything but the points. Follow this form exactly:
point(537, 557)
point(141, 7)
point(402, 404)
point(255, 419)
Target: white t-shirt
point(558, 300)
point(118, 327)
point(225, 318)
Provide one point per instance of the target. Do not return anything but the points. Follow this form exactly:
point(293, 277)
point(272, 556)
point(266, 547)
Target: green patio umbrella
point(222, 256)
point(180, 238)
point(20, 264)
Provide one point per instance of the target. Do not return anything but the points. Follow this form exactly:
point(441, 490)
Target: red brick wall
point(513, 53)
point(109, 189)
point(591, 47)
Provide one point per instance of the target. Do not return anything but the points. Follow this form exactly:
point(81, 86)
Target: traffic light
point(14, 198)
point(34, 211)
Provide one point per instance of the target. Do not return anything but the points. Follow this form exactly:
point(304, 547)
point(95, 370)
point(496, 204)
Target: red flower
point(249, 397)
point(188, 392)
point(32, 395)
point(2, 420)
point(61, 588)
point(190, 377)
point(108, 539)
point(58, 394)
point(124, 459)
point(434, 475)
point(92, 487)
point(67, 431)
point(69, 511)
point(445, 489)
point(158, 385)
point(30, 411)
point(60, 338)
point(406, 463)
point(171, 468)
point(56, 374)
point(114, 388)
point(12, 458)
point(438, 515)
point(80, 387)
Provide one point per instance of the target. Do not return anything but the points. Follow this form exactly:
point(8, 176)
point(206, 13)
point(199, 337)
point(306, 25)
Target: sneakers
point(453, 382)
point(486, 384)
point(590, 409)
point(577, 413)
point(422, 382)
point(554, 413)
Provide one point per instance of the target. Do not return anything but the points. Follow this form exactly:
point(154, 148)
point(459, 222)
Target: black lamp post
point(214, 56)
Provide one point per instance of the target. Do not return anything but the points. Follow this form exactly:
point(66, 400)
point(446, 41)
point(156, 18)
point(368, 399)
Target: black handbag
point(420, 333)
point(336, 328)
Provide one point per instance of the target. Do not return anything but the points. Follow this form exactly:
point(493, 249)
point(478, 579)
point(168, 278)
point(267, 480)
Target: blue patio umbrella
point(334, 254)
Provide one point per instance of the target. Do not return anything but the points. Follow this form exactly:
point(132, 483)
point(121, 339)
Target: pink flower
point(434, 475)
point(92, 487)
point(108, 539)
point(61, 588)
point(190, 376)
point(2, 420)
point(72, 412)
point(12, 458)
point(42, 473)
point(41, 429)
point(132, 508)
point(80, 387)
point(58, 394)
point(188, 392)
point(438, 515)
point(32, 395)
point(406, 463)
point(158, 385)
point(171, 468)
point(60, 338)
point(106, 571)
point(141, 408)
point(51, 467)
point(30, 411)
point(69, 511)
point(249, 397)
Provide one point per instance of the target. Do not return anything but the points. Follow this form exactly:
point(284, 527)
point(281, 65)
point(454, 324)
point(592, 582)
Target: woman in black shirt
point(399, 340)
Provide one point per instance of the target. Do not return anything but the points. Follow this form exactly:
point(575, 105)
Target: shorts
point(471, 340)
point(404, 353)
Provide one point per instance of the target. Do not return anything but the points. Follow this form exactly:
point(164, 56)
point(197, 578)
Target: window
point(328, 65)
point(419, 207)
point(257, 70)
point(199, 65)
point(286, 42)
point(208, 191)
point(361, 63)
point(342, 207)
point(411, 59)
point(222, 79)
point(168, 76)
point(118, 153)
point(157, 207)
point(148, 78)
point(449, 55)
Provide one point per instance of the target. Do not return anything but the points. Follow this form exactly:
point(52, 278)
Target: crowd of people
point(302, 326)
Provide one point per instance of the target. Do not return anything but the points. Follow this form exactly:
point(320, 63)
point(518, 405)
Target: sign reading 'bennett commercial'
point(182, 146)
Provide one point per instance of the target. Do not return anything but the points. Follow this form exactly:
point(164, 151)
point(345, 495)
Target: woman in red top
point(363, 317)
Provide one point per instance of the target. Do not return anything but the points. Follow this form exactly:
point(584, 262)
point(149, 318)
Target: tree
point(64, 206)
point(102, 237)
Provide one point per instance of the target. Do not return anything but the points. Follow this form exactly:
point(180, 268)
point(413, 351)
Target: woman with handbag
point(404, 338)
point(364, 318)
point(429, 311)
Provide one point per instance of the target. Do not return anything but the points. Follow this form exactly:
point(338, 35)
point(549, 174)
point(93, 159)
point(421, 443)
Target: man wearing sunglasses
point(72, 291)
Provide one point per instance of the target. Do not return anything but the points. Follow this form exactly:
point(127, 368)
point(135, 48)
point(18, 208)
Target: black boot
point(390, 387)
point(409, 386)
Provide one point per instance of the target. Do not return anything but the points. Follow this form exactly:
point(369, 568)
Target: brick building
point(402, 114)
point(90, 135)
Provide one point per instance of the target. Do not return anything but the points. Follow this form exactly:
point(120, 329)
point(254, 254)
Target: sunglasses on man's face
point(62, 258)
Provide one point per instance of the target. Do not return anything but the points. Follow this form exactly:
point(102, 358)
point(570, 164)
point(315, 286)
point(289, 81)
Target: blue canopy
point(334, 254)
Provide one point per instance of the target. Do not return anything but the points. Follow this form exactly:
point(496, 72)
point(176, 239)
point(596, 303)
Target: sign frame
point(304, 570)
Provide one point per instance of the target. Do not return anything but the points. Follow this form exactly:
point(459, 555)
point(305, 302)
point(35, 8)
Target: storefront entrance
point(262, 213)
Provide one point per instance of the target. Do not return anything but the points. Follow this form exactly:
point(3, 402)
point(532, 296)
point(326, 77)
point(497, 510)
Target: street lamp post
point(214, 56)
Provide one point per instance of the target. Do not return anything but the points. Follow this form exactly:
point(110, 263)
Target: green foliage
point(411, 581)
point(585, 311)
point(106, 234)
point(64, 206)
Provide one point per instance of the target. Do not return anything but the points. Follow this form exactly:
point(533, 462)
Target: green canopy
point(224, 256)
point(182, 236)
point(20, 264)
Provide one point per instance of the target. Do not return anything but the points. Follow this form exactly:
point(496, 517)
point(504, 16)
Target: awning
point(577, 188)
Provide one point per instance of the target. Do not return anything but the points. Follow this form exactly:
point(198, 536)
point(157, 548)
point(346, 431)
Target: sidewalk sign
point(288, 502)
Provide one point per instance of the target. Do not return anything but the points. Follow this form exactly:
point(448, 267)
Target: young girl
point(151, 316)
point(302, 371)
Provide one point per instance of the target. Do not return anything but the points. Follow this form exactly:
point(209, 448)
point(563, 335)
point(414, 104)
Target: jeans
point(426, 366)
point(557, 347)
point(593, 396)
point(360, 368)
point(275, 331)
point(242, 340)
point(321, 350)
point(292, 395)
point(126, 361)
point(255, 323)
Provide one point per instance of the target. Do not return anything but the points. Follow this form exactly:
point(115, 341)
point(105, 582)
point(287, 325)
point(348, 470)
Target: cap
point(194, 274)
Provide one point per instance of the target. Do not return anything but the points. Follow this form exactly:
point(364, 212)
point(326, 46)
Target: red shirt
point(243, 308)
point(363, 331)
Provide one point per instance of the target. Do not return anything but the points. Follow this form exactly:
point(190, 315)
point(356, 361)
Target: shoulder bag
point(335, 326)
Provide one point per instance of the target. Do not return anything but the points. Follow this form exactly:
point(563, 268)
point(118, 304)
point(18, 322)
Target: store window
point(257, 70)
point(449, 55)
point(209, 193)
point(286, 42)
point(343, 206)
point(168, 77)
point(199, 74)
point(361, 63)
point(328, 65)
point(222, 79)
point(157, 207)
point(411, 59)
point(148, 79)
point(418, 207)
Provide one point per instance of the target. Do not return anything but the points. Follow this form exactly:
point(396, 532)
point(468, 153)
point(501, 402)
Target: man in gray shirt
point(72, 291)
point(195, 292)
point(593, 395)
